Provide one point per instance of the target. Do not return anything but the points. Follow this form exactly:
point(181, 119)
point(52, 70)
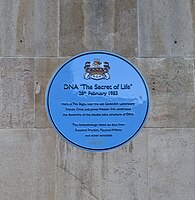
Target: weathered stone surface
point(71, 27)
point(28, 28)
point(166, 28)
point(119, 174)
point(171, 85)
point(27, 167)
point(16, 92)
point(125, 27)
point(171, 164)
point(99, 17)
point(98, 25)
point(70, 187)
point(45, 68)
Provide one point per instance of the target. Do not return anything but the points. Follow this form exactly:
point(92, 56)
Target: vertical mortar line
point(194, 73)
point(114, 28)
point(35, 70)
point(148, 175)
point(138, 43)
point(55, 175)
point(58, 31)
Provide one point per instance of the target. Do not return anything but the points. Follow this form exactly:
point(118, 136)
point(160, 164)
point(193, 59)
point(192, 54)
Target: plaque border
point(55, 126)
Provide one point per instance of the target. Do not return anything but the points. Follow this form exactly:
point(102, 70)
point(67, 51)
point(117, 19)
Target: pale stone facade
point(36, 36)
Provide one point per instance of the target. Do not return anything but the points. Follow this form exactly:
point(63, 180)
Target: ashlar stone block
point(171, 85)
point(45, 68)
point(118, 174)
point(28, 28)
point(166, 28)
point(27, 167)
point(98, 25)
point(17, 92)
point(171, 161)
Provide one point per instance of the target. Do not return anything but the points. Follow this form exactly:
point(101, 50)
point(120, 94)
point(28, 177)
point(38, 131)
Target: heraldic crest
point(97, 70)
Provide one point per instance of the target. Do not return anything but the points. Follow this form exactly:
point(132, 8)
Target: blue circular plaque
point(97, 101)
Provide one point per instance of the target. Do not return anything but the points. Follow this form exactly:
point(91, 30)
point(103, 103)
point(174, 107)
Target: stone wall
point(36, 36)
